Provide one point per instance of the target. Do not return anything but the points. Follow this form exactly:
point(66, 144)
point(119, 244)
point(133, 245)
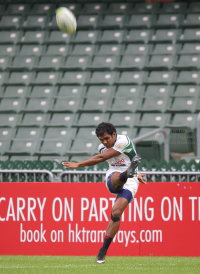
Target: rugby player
point(122, 177)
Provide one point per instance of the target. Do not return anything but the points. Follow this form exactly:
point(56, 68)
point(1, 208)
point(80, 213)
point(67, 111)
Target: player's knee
point(116, 212)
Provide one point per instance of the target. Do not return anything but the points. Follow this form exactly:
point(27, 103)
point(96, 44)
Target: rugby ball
point(66, 20)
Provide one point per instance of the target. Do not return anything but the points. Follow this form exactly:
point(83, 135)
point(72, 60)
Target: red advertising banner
point(71, 219)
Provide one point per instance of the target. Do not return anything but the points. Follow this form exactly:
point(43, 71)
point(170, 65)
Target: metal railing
point(17, 175)
point(153, 132)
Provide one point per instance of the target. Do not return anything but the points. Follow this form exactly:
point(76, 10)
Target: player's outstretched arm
point(96, 159)
point(142, 178)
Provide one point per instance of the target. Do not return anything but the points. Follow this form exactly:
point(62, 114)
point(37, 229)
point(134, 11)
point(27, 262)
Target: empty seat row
point(104, 91)
point(99, 50)
point(100, 78)
point(102, 62)
point(99, 8)
point(104, 36)
point(105, 21)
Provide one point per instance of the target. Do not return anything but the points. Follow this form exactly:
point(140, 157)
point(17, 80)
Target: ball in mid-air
point(66, 20)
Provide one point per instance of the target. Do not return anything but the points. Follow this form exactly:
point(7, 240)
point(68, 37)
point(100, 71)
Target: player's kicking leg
point(115, 182)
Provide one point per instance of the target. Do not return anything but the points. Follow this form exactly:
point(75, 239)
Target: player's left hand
point(142, 178)
point(70, 164)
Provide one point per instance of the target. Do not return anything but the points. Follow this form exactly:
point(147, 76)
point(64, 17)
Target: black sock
point(123, 176)
point(107, 242)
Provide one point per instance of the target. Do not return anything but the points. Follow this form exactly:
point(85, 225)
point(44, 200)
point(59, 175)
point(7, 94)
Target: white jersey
point(124, 145)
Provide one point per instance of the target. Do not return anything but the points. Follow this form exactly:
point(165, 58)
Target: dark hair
point(105, 127)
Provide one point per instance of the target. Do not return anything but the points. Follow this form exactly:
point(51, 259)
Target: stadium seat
point(37, 105)
point(8, 120)
point(4, 146)
point(134, 78)
point(29, 133)
point(58, 50)
point(60, 119)
point(6, 133)
point(186, 91)
point(124, 119)
point(47, 63)
point(90, 119)
point(187, 77)
point(2, 8)
point(93, 8)
point(130, 132)
point(102, 78)
point(46, 78)
point(33, 37)
point(137, 36)
point(87, 21)
point(146, 7)
point(59, 133)
point(19, 78)
point(57, 37)
point(165, 35)
point(187, 120)
point(111, 36)
point(51, 147)
point(137, 49)
point(128, 104)
point(189, 35)
point(104, 91)
point(17, 9)
point(14, 92)
point(160, 62)
point(4, 62)
point(153, 104)
point(114, 21)
point(70, 91)
point(103, 62)
point(139, 21)
point(119, 8)
point(11, 105)
point(186, 62)
point(95, 104)
point(173, 8)
point(153, 120)
point(190, 48)
point(187, 104)
point(42, 91)
point(131, 62)
point(74, 78)
point(194, 7)
point(191, 20)
point(130, 91)
point(39, 9)
point(160, 77)
point(67, 104)
point(165, 49)
point(9, 37)
point(33, 50)
point(168, 21)
point(86, 133)
point(21, 147)
point(83, 147)
point(22, 63)
point(108, 49)
point(33, 22)
point(10, 22)
point(76, 8)
point(75, 63)
point(82, 49)
point(85, 36)
point(153, 91)
point(52, 23)
point(8, 50)
point(32, 120)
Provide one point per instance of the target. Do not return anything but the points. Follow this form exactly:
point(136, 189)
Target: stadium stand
point(131, 63)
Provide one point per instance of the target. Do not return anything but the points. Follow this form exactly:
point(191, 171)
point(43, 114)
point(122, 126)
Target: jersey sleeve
point(125, 145)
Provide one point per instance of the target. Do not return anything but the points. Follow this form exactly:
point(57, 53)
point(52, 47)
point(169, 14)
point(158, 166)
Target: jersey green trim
point(101, 149)
point(129, 150)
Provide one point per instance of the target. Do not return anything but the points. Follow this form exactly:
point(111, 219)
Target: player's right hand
point(70, 164)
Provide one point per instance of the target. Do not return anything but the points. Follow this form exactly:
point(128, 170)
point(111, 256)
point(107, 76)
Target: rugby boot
point(134, 164)
point(100, 259)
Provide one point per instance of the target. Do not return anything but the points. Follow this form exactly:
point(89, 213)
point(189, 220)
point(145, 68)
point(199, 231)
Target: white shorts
point(131, 184)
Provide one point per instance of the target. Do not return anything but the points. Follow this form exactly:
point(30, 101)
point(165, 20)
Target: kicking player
point(122, 177)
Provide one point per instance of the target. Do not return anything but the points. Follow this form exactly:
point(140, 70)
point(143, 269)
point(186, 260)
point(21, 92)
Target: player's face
point(108, 140)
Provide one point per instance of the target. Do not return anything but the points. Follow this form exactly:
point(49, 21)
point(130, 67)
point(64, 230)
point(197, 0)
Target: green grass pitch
point(86, 265)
